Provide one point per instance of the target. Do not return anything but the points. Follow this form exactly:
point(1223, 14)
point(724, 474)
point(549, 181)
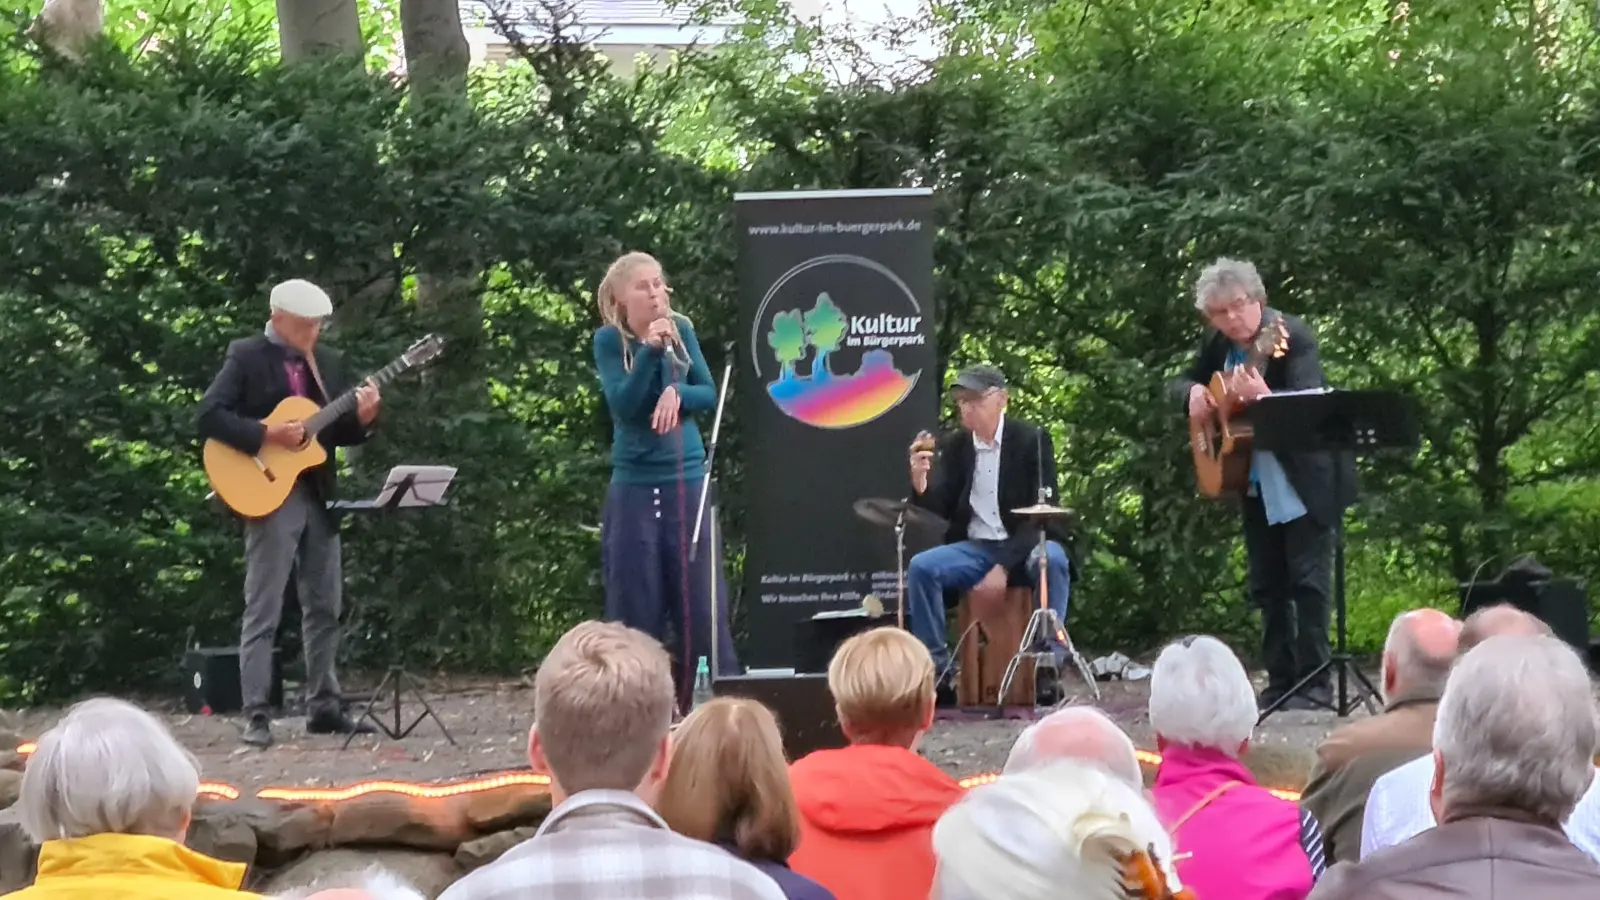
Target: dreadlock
point(610, 310)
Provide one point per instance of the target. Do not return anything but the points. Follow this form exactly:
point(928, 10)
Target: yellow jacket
point(130, 867)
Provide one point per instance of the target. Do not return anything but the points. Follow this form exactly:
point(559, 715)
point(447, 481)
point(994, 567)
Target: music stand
point(405, 487)
point(1334, 422)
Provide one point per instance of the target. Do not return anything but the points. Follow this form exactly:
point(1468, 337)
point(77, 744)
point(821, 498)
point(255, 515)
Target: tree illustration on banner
point(825, 327)
point(788, 340)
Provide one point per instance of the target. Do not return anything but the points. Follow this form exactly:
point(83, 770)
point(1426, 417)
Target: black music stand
point(1337, 423)
point(405, 487)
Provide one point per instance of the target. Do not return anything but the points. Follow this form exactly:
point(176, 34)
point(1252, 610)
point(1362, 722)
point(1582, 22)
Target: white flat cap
point(299, 297)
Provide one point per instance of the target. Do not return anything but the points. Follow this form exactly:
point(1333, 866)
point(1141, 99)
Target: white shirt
point(1398, 810)
point(985, 495)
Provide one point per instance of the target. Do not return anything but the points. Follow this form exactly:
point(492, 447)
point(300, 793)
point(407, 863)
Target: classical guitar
point(1222, 440)
point(254, 486)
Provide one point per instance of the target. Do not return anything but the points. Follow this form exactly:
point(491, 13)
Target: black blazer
point(1311, 474)
point(949, 492)
point(252, 383)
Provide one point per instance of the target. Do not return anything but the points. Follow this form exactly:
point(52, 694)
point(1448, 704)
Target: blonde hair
point(882, 684)
point(610, 311)
point(603, 702)
point(729, 780)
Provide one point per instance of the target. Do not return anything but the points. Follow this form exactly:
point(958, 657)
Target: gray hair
point(1077, 732)
point(1517, 727)
point(1049, 832)
point(1200, 696)
point(1227, 276)
point(108, 767)
point(375, 881)
point(1418, 672)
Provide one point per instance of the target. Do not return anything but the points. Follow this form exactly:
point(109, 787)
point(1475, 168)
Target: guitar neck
point(347, 400)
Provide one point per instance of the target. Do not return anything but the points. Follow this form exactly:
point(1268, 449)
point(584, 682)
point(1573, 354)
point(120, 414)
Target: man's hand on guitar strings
point(367, 401)
point(1200, 401)
point(286, 434)
point(1249, 385)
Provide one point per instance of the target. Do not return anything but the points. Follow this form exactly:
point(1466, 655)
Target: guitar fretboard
point(347, 400)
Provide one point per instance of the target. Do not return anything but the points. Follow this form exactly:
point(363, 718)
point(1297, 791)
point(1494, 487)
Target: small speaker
point(816, 639)
point(802, 704)
point(211, 679)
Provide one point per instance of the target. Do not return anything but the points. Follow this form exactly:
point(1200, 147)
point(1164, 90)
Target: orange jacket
point(866, 820)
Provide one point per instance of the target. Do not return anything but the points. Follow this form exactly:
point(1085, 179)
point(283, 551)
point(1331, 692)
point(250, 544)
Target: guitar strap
point(1202, 804)
point(316, 375)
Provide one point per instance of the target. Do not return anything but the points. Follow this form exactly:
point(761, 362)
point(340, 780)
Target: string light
point(507, 779)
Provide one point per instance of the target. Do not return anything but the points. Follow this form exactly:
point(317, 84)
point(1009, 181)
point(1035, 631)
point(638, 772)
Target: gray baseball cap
point(979, 379)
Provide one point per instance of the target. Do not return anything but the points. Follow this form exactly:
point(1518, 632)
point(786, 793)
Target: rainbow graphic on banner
point(844, 401)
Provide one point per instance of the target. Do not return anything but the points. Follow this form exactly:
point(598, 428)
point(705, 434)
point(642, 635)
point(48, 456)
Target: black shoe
point(336, 722)
point(944, 693)
point(258, 733)
point(1313, 697)
point(1270, 696)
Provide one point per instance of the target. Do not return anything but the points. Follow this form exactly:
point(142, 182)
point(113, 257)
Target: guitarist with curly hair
point(300, 536)
point(1291, 504)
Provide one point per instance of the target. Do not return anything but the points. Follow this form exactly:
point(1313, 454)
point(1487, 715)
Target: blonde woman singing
point(655, 379)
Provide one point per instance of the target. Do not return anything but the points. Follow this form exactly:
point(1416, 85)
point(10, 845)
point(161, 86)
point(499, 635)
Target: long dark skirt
point(650, 583)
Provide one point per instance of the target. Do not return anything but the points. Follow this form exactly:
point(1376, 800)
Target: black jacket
point(949, 492)
point(1311, 474)
point(252, 383)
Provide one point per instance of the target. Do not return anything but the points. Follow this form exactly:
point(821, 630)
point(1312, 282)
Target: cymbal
point(885, 512)
point(1043, 510)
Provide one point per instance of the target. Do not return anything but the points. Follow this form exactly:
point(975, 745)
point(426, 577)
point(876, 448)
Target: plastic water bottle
point(702, 682)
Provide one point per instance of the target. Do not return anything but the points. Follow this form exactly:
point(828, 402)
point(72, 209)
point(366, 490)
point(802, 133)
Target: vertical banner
point(838, 374)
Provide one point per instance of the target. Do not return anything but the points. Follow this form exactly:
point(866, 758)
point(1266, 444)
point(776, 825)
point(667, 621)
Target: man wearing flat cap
point(974, 478)
point(301, 536)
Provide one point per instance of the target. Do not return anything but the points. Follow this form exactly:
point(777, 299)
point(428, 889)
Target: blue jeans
point(959, 566)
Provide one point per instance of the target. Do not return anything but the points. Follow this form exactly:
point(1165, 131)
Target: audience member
point(867, 810)
point(1514, 749)
point(373, 883)
point(108, 794)
point(729, 784)
point(1057, 830)
point(1398, 807)
point(1416, 661)
point(1077, 732)
point(603, 703)
point(1235, 839)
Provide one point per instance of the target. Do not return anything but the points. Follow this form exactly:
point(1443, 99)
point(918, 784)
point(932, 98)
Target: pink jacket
point(1232, 843)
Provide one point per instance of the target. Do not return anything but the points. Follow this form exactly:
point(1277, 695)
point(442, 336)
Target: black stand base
point(402, 683)
point(1340, 660)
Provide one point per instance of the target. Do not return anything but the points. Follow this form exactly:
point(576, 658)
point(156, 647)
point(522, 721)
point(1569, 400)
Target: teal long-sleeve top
point(638, 454)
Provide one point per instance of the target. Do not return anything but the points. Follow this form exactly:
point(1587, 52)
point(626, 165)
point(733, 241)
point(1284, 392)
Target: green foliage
point(1420, 184)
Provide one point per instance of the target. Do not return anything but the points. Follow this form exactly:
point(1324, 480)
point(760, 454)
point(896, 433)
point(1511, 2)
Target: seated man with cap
point(301, 536)
point(975, 478)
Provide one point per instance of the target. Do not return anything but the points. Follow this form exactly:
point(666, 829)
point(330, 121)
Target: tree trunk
point(309, 29)
point(437, 55)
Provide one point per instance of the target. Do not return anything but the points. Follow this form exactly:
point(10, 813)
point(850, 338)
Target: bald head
point(1078, 733)
point(1418, 653)
point(1494, 621)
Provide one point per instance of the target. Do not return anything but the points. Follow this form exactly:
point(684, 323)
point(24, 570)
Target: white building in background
point(625, 30)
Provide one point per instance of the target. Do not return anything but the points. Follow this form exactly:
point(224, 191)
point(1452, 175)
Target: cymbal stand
point(1036, 637)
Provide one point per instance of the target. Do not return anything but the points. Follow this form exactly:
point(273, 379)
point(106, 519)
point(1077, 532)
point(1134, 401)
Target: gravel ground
point(489, 720)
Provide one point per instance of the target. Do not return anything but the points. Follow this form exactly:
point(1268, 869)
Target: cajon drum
point(988, 650)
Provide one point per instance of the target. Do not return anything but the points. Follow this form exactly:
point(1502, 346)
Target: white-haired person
point(108, 795)
point(1513, 751)
point(373, 883)
point(1235, 839)
point(1081, 733)
point(1058, 831)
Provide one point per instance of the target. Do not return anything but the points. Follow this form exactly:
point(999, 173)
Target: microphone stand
point(700, 514)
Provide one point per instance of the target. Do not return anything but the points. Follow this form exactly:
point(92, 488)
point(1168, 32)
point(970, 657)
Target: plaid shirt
point(608, 845)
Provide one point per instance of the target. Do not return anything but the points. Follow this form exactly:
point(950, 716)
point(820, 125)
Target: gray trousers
point(298, 538)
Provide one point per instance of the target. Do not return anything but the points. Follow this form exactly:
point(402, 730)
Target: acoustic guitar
point(1222, 440)
point(255, 486)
